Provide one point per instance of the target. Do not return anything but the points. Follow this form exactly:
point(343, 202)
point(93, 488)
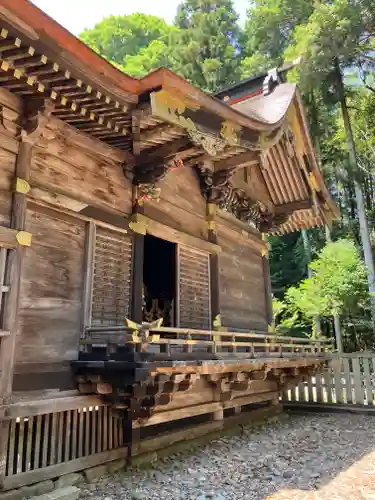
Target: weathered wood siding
point(181, 204)
point(242, 284)
point(10, 108)
point(72, 164)
point(194, 288)
point(51, 291)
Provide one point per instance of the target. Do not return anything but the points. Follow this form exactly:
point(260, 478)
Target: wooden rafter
point(26, 72)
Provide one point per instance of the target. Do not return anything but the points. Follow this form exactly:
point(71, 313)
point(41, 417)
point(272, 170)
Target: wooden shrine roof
point(162, 117)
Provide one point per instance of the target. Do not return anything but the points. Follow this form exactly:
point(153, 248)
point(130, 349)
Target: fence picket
point(327, 376)
point(367, 381)
point(348, 381)
point(318, 384)
point(310, 391)
point(357, 379)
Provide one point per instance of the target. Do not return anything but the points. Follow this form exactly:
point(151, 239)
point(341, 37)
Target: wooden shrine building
point(142, 199)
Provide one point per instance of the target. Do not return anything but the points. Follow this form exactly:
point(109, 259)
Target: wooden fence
point(46, 445)
point(349, 382)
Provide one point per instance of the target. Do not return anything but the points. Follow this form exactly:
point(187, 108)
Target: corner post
point(35, 116)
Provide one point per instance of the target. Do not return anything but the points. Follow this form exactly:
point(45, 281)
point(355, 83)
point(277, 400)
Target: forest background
point(323, 280)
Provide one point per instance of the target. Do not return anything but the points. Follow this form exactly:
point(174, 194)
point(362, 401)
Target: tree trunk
point(364, 231)
point(307, 249)
point(336, 317)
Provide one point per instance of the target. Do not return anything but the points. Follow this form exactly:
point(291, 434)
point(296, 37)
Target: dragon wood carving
point(217, 188)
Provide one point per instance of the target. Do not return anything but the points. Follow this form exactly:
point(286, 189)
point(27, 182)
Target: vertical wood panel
point(137, 280)
point(358, 388)
point(68, 434)
point(74, 434)
point(60, 437)
point(38, 442)
point(367, 380)
point(100, 429)
point(12, 445)
point(348, 380)
point(81, 436)
point(30, 430)
point(112, 277)
point(105, 428)
point(194, 284)
point(89, 274)
point(327, 377)
point(46, 441)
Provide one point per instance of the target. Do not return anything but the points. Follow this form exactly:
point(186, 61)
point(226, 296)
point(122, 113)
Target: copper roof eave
point(39, 28)
point(317, 172)
point(164, 78)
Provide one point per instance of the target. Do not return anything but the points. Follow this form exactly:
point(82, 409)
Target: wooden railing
point(245, 344)
point(45, 445)
point(348, 382)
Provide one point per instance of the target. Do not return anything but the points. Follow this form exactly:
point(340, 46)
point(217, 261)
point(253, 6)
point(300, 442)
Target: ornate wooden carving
point(37, 113)
point(210, 143)
point(217, 188)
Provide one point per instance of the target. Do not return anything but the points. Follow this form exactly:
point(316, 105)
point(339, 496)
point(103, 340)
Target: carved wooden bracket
point(217, 188)
point(36, 116)
point(146, 176)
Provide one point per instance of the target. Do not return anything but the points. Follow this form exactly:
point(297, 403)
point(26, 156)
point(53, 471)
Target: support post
point(214, 264)
point(137, 281)
point(267, 284)
point(35, 116)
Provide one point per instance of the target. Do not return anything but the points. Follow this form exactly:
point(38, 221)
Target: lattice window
point(112, 277)
point(194, 288)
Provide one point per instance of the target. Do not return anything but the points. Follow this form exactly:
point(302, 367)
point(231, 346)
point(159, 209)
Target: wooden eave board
point(27, 71)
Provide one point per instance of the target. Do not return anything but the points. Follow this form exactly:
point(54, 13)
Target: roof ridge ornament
point(271, 81)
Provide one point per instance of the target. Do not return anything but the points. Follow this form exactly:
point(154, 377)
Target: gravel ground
point(311, 457)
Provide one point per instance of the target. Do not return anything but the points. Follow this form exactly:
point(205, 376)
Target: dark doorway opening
point(159, 280)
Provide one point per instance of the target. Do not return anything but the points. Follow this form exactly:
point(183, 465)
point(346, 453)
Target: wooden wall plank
point(104, 183)
point(242, 285)
point(194, 288)
point(51, 292)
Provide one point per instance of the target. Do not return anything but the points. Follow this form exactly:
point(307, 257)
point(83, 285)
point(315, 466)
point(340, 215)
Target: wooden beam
point(289, 208)
point(8, 237)
point(165, 232)
point(238, 161)
point(164, 151)
point(43, 406)
point(53, 471)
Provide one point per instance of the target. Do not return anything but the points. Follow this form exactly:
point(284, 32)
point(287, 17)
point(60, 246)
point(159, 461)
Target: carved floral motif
point(211, 144)
point(217, 188)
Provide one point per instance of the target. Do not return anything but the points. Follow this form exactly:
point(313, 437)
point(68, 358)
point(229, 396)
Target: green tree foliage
point(287, 262)
point(121, 38)
point(268, 32)
point(339, 30)
point(206, 47)
point(338, 284)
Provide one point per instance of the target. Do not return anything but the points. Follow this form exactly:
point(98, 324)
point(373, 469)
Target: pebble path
point(304, 457)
